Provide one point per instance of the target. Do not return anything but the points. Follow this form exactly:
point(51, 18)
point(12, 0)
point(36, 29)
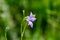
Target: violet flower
point(30, 19)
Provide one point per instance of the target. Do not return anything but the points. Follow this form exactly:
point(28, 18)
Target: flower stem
point(21, 28)
point(5, 35)
point(22, 32)
point(23, 13)
point(24, 29)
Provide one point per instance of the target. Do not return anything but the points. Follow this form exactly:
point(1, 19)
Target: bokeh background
point(46, 27)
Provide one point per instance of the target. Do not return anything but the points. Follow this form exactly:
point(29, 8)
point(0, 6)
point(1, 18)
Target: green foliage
point(46, 26)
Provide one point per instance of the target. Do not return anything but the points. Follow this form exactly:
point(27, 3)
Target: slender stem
point(21, 27)
point(24, 29)
point(23, 13)
point(5, 35)
point(21, 31)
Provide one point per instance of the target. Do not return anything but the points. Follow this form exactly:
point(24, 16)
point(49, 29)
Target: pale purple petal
point(31, 14)
point(30, 23)
point(30, 19)
point(33, 19)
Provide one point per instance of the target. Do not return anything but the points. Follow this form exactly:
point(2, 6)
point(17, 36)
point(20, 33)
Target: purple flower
point(30, 19)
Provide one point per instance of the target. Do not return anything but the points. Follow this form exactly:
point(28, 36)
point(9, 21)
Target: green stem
point(5, 35)
point(22, 32)
point(24, 29)
point(23, 13)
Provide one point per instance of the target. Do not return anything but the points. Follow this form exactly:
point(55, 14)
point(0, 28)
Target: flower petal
point(31, 14)
point(30, 19)
point(33, 19)
point(30, 23)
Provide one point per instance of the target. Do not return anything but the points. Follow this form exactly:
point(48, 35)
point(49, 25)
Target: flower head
point(30, 19)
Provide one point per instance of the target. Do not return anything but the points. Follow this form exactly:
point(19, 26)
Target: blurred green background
point(46, 27)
